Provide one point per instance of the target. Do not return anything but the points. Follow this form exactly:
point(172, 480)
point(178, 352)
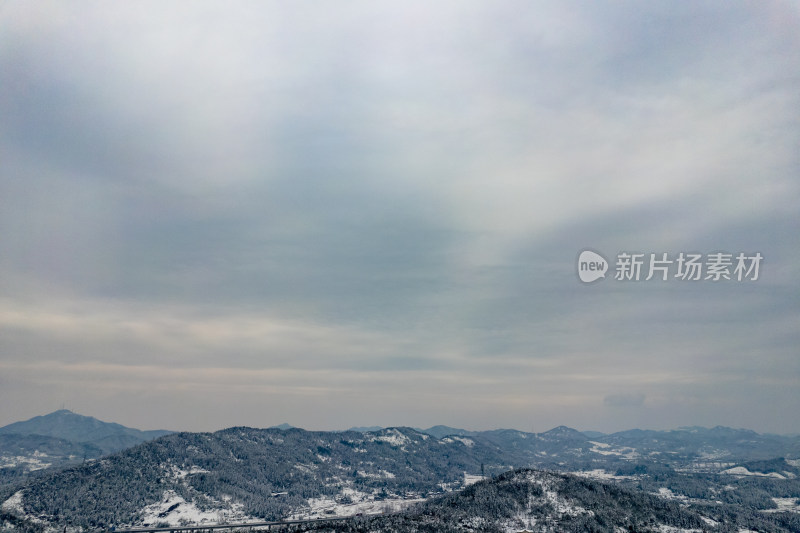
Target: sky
point(339, 214)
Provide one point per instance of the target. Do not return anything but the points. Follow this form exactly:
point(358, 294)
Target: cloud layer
point(359, 214)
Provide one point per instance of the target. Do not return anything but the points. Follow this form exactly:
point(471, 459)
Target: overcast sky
point(358, 213)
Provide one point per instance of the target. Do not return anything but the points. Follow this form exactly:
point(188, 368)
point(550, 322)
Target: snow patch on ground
point(31, 462)
point(393, 437)
point(605, 449)
point(663, 528)
point(382, 474)
point(469, 479)
point(13, 505)
point(599, 474)
point(710, 455)
point(175, 511)
point(306, 469)
point(563, 506)
point(180, 473)
point(742, 471)
point(667, 494)
point(327, 506)
point(791, 505)
point(739, 470)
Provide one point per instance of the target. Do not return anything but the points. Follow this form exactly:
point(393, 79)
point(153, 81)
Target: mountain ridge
point(273, 473)
point(67, 425)
point(61, 438)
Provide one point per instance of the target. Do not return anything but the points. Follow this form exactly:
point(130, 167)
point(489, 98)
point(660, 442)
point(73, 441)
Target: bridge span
point(242, 526)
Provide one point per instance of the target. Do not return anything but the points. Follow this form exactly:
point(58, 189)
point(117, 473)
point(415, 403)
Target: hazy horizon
point(337, 215)
point(389, 426)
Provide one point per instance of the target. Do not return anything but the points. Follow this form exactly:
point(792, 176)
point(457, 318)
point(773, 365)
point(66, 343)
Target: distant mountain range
point(365, 429)
point(66, 425)
point(726, 475)
point(60, 438)
point(282, 426)
point(445, 431)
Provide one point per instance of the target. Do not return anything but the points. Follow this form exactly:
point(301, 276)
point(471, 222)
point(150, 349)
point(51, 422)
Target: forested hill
point(547, 502)
point(243, 473)
point(250, 472)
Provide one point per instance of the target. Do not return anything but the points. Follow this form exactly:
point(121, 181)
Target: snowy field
point(173, 510)
point(36, 461)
